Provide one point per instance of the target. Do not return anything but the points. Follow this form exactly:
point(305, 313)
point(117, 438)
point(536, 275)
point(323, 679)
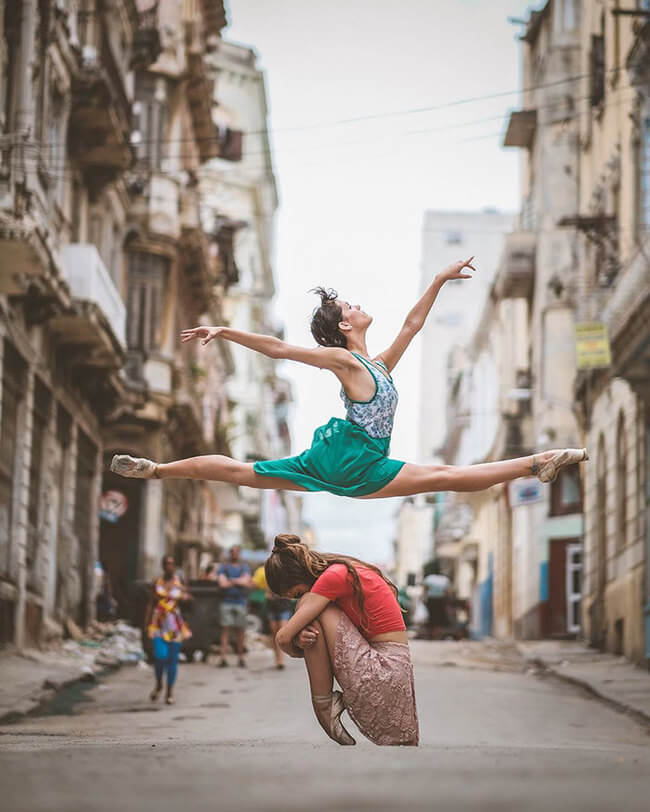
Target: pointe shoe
point(134, 467)
point(567, 456)
point(328, 711)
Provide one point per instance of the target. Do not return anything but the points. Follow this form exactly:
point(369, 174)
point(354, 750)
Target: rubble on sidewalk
point(31, 677)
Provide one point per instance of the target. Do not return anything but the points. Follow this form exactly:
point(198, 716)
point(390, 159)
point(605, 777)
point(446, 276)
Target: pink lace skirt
point(377, 684)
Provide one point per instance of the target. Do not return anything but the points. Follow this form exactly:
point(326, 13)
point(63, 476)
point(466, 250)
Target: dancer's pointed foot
point(549, 469)
point(328, 710)
point(134, 467)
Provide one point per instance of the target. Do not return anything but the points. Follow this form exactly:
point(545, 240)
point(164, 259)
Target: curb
point(616, 704)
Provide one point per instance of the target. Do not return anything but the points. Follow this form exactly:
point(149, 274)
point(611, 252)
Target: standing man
point(234, 578)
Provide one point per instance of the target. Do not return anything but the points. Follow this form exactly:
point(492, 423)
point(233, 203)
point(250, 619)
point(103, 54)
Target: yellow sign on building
point(592, 345)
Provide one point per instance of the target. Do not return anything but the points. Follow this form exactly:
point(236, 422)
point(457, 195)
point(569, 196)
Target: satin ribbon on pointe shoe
point(567, 456)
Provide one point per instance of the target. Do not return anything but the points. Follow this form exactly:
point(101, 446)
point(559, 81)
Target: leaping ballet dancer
point(349, 457)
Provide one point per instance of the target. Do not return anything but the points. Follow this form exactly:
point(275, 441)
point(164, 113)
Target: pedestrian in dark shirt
point(234, 578)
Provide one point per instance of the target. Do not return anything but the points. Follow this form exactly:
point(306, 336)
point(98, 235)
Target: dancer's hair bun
point(285, 540)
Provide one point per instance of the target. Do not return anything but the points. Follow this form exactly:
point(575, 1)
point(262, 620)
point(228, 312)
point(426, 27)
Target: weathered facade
point(66, 88)
point(581, 257)
point(512, 392)
point(108, 111)
point(172, 279)
point(539, 267)
point(613, 218)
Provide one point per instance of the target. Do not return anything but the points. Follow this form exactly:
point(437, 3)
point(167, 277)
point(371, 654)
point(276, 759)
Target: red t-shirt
point(382, 612)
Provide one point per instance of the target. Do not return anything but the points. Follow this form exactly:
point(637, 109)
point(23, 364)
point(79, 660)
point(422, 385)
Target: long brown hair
point(291, 562)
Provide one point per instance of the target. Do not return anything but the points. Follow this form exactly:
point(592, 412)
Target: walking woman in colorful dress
point(166, 627)
point(349, 457)
point(348, 626)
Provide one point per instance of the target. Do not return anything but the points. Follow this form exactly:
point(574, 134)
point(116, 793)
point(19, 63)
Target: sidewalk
point(32, 677)
point(611, 678)
point(29, 679)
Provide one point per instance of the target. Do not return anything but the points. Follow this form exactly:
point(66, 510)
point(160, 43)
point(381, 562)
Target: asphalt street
point(494, 735)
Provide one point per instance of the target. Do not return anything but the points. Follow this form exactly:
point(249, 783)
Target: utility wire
point(63, 168)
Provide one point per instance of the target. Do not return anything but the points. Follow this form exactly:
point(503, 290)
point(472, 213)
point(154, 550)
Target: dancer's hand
point(204, 333)
point(454, 271)
point(307, 637)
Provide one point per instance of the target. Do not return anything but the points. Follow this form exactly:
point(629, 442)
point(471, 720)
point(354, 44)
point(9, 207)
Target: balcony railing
point(100, 118)
point(90, 281)
point(517, 272)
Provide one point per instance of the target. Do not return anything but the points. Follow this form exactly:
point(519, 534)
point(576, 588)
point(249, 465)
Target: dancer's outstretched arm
point(335, 359)
point(418, 314)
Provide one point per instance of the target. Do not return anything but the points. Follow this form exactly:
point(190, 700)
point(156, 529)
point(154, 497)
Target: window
point(115, 266)
point(644, 173)
point(569, 14)
point(84, 503)
point(565, 15)
point(14, 381)
point(56, 151)
point(597, 65)
point(11, 46)
point(145, 299)
point(565, 492)
point(601, 521)
point(84, 509)
point(149, 120)
point(621, 484)
point(40, 418)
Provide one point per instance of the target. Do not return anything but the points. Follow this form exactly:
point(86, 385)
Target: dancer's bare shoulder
point(335, 359)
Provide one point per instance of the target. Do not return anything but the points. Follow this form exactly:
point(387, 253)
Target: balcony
point(100, 116)
point(24, 254)
point(30, 265)
point(95, 327)
point(214, 16)
point(516, 275)
point(522, 125)
point(146, 40)
point(157, 210)
point(223, 237)
point(196, 261)
point(638, 60)
point(199, 91)
point(186, 412)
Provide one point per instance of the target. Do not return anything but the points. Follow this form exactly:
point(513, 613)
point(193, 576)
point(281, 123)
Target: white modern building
point(448, 236)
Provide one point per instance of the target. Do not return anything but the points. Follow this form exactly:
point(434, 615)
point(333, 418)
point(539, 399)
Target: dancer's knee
point(440, 477)
point(239, 473)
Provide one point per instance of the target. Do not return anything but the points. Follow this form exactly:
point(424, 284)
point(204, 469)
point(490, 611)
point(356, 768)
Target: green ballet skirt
point(343, 459)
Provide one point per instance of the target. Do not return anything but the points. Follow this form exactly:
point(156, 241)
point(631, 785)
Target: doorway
point(564, 587)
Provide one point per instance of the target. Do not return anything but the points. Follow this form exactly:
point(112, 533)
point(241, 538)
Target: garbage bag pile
point(104, 645)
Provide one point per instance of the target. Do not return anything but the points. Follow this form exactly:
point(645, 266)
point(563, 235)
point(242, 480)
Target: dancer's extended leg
point(413, 479)
point(216, 467)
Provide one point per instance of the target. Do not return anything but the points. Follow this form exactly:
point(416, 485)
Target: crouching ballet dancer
point(349, 626)
point(349, 457)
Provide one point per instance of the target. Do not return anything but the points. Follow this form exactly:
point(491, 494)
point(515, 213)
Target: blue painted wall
point(543, 581)
point(486, 598)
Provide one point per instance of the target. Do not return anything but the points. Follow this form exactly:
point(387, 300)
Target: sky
point(377, 113)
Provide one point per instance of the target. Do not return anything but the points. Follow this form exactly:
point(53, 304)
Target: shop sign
point(525, 491)
point(592, 345)
point(113, 505)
